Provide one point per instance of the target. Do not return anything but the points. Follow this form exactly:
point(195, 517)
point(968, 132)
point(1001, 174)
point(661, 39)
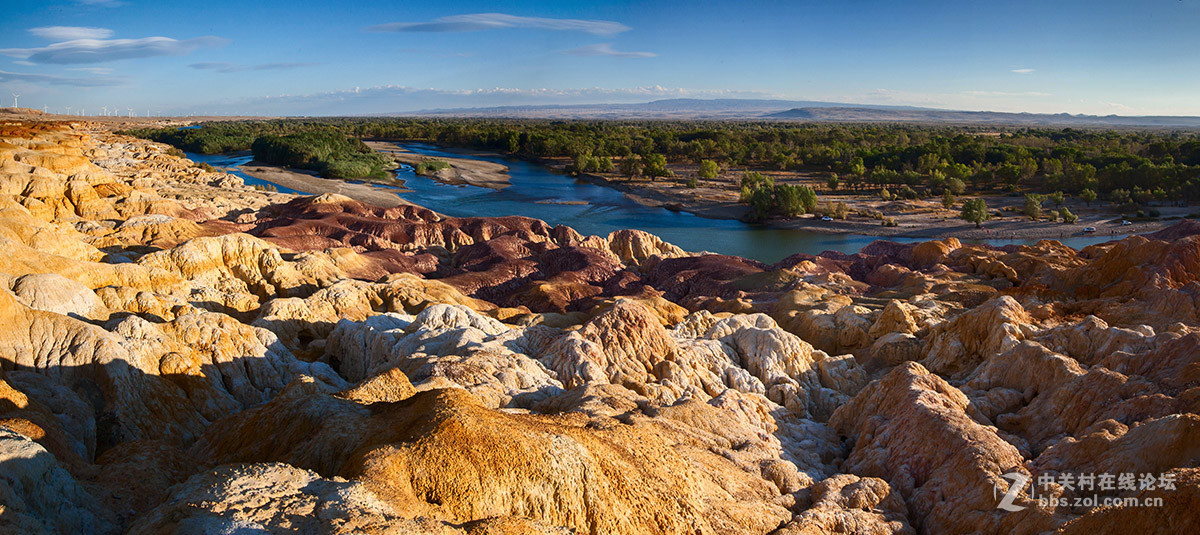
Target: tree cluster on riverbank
point(1149, 166)
point(770, 199)
point(330, 153)
point(430, 167)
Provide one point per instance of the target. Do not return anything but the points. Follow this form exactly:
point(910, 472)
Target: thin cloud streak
point(50, 79)
point(968, 100)
point(1024, 71)
point(605, 49)
point(70, 33)
point(1008, 93)
point(496, 21)
point(102, 50)
point(656, 91)
point(93, 70)
point(236, 67)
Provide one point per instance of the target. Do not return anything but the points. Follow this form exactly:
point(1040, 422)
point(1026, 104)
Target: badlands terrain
point(180, 353)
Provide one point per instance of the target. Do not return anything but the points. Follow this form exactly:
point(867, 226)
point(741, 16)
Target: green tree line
point(924, 158)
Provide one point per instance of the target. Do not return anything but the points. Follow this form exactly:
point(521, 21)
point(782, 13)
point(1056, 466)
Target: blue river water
point(540, 192)
point(229, 163)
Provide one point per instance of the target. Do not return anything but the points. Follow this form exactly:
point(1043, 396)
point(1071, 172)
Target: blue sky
point(356, 57)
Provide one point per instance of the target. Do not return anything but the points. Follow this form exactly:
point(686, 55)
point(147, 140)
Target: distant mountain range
point(860, 114)
point(801, 111)
point(677, 108)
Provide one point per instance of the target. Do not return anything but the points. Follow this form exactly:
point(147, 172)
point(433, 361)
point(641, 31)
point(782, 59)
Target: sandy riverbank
point(924, 218)
point(695, 201)
point(308, 181)
point(938, 226)
point(478, 173)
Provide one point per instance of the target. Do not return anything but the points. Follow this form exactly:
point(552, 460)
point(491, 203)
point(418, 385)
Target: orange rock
point(913, 430)
point(442, 453)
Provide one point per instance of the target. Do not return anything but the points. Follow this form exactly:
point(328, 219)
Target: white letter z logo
point(1019, 481)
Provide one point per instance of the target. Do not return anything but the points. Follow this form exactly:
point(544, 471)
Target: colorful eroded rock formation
point(180, 353)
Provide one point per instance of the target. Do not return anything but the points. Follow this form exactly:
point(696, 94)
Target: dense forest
point(1127, 167)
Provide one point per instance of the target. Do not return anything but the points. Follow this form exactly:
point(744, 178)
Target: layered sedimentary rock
point(180, 353)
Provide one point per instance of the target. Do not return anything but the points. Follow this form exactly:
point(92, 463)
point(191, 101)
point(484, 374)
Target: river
point(540, 192)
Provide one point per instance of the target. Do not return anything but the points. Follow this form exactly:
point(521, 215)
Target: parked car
point(1089, 229)
point(826, 218)
point(1126, 223)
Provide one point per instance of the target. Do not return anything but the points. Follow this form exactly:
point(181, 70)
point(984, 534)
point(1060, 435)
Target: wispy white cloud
point(102, 50)
point(1024, 71)
point(970, 100)
point(50, 79)
point(100, 3)
point(1008, 93)
point(237, 67)
point(605, 49)
point(599, 94)
point(1117, 106)
point(70, 33)
point(93, 70)
point(495, 21)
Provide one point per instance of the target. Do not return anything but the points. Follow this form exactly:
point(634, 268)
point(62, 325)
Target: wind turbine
point(105, 108)
point(44, 108)
point(15, 99)
point(68, 110)
point(130, 111)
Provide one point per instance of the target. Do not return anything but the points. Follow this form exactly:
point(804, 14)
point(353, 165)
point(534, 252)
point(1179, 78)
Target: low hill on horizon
point(861, 114)
point(677, 108)
point(797, 110)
